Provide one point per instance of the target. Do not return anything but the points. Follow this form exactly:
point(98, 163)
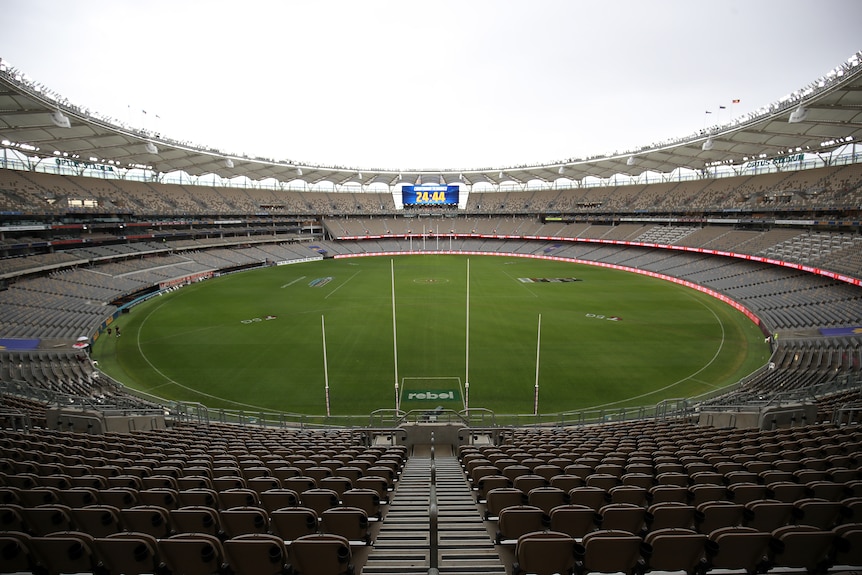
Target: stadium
point(642, 362)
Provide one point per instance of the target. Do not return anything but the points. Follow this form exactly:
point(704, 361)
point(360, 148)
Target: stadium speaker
point(708, 145)
point(60, 119)
point(798, 115)
point(151, 148)
point(228, 163)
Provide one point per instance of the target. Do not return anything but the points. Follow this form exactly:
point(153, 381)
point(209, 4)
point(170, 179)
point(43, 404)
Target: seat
point(668, 493)
point(626, 517)
point(498, 499)
point(366, 499)
point(15, 552)
point(192, 554)
point(299, 483)
point(198, 496)
point(787, 491)
point(258, 553)
point(292, 523)
point(675, 549)
point(828, 490)
point(238, 497)
point(80, 496)
point(545, 553)
point(97, 520)
point(670, 514)
point(704, 492)
point(746, 492)
point(529, 481)
point(273, 499)
point(349, 522)
point(573, 520)
point(546, 498)
point(848, 545)
point(715, 514)
point(162, 496)
point(319, 499)
point(119, 497)
point(337, 484)
point(603, 481)
point(739, 548)
point(378, 484)
point(610, 551)
point(195, 519)
point(634, 494)
point(261, 484)
point(149, 519)
point(12, 518)
point(64, 552)
point(321, 554)
point(517, 520)
point(47, 519)
point(128, 553)
point(819, 513)
point(243, 521)
point(802, 547)
point(767, 514)
point(591, 496)
point(567, 481)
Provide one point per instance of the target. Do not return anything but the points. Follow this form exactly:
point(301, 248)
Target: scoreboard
point(428, 195)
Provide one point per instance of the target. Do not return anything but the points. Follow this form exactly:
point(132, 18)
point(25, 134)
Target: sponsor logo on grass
point(320, 282)
point(548, 280)
point(605, 317)
point(433, 395)
point(258, 319)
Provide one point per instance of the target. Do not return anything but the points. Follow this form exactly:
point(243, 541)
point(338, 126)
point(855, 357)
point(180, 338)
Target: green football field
point(602, 338)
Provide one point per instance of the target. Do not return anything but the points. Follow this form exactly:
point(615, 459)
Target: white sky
point(426, 84)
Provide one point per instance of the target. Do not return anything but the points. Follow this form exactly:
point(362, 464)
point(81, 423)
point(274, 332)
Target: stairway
point(403, 544)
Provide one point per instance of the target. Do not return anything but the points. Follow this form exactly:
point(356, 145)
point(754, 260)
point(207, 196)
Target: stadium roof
point(824, 116)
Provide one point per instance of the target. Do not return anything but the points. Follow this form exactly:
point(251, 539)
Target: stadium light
point(60, 119)
point(228, 163)
point(151, 148)
point(708, 145)
point(798, 115)
point(631, 161)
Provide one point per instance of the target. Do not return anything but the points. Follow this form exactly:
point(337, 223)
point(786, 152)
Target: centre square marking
point(431, 281)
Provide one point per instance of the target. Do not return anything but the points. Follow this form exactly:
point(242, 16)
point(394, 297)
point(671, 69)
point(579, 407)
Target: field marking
point(690, 377)
point(170, 381)
point(520, 283)
point(293, 282)
point(342, 285)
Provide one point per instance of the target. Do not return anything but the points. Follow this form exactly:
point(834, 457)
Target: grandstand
point(98, 478)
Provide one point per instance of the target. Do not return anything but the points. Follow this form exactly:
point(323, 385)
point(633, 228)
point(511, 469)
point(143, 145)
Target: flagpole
point(325, 366)
point(394, 337)
point(467, 348)
point(538, 347)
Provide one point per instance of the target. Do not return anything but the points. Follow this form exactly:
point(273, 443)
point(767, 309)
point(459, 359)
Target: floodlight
point(631, 161)
point(298, 171)
point(228, 163)
point(151, 148)
point(560, 171)
point(798, 115)
point(707, 145)
point(60, 119)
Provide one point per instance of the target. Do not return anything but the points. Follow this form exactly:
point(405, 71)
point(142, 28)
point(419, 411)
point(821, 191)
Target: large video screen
point(426, 195)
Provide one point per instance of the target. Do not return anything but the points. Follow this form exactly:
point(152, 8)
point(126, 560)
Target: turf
point(210, 342)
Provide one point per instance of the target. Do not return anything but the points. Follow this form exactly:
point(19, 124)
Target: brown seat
point(609, 551)
point(258, 553)
point(675, 549)
point(322, 554)
point(544, 552)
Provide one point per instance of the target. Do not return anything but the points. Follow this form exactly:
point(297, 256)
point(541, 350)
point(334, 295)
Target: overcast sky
point(426, 84)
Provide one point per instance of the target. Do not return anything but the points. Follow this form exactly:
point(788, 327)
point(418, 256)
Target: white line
point(342, 285)
point(684, 379)
point(293, 282)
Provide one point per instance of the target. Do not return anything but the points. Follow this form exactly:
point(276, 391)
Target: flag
point(735, 102)
point(707, 112)
point(722, 107)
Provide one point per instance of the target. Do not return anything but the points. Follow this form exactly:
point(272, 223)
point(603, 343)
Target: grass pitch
point(255, 340)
